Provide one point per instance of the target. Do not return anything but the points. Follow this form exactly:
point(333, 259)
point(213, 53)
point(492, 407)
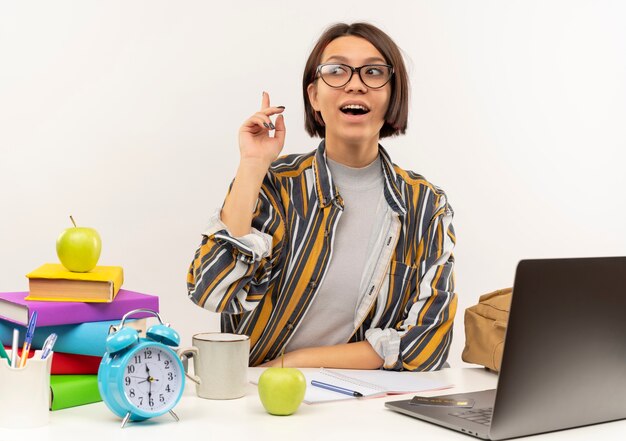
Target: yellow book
point(53, 282)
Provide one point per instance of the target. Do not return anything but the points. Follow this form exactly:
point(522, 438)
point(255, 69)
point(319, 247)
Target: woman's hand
point(256, 146)
point(258, 150)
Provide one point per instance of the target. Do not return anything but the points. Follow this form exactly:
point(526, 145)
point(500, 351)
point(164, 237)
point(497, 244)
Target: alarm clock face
point(153, 379)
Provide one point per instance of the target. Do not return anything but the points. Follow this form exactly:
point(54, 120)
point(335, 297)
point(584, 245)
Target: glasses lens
point(335, 75)
point(375, 75)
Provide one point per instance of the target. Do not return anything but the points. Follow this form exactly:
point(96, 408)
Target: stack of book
point(80, 308)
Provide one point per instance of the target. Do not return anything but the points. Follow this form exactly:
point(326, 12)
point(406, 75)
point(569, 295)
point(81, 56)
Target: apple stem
point(72, 219)
point(282, 358)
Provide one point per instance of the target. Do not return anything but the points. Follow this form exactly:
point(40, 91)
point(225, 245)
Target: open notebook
point(370, 383)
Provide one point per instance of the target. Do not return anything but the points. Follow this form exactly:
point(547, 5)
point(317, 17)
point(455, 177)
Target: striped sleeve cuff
point(386, 343)
point(251, 248)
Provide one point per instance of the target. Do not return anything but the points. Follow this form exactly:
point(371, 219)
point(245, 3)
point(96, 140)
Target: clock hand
point(147, 379)
point(149, 390)
point(150, 379)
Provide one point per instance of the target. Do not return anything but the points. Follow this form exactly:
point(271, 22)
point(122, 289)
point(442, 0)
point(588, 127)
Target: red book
point(72, 364)
point(14, 308)
point(69, 364)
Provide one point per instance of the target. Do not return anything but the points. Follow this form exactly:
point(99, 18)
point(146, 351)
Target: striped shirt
point(263, 283)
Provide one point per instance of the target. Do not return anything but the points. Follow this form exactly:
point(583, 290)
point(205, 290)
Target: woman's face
point(362, 128)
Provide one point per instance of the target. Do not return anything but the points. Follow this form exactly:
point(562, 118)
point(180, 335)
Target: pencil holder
point(25, 393)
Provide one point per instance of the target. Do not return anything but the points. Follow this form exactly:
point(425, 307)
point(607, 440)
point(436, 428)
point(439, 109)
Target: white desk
point(245, 419)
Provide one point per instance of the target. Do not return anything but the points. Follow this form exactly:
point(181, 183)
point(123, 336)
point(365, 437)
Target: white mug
point(220, 364)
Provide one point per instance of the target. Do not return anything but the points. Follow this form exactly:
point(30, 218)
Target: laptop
point(564, 361)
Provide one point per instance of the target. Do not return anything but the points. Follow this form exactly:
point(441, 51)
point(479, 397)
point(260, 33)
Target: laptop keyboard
point(481, 416)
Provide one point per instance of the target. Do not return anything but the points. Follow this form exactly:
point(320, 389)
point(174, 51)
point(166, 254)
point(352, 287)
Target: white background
point(125, 114)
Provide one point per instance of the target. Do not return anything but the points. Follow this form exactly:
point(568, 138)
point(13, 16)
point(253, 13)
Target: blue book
point(84, 338)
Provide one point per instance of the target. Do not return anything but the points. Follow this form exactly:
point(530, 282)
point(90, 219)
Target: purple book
point(14, 308)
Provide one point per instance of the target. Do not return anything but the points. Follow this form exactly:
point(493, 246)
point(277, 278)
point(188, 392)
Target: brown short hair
point(397, 113)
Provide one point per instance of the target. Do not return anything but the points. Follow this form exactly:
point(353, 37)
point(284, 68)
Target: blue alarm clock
point(141, 378)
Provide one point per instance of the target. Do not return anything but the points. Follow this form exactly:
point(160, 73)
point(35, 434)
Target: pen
point(14, 345)
point(48, 345)
point(334, 388)
point(4, 354)
point(29, 338)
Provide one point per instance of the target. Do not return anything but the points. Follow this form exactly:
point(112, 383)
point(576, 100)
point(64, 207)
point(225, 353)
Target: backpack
point(485, 327)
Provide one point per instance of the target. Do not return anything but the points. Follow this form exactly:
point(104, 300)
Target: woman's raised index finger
point(265, 103)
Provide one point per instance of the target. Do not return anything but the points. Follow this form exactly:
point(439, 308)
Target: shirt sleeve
point(421, 340)
point(231, 274)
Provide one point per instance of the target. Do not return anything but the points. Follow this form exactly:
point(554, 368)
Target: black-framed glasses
point(338, 75)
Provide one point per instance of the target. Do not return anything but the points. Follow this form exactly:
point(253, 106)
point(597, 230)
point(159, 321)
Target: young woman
point(337, 257)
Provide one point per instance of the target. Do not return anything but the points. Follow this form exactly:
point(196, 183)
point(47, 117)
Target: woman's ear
point(312, 92)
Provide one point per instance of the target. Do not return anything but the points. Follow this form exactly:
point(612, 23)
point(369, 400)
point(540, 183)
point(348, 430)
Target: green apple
point(281, 390)
point(79, 248)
